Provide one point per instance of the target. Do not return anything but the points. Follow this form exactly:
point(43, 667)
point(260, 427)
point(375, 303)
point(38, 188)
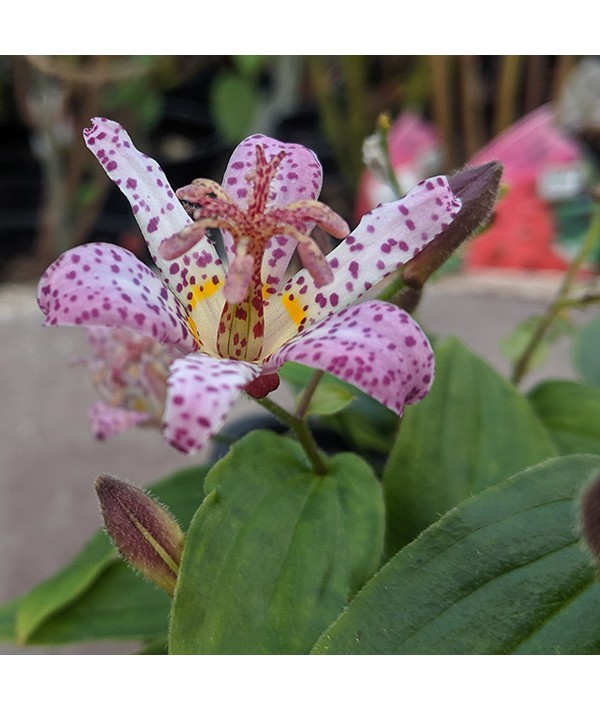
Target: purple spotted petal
point(299, 177)
point(143, 182)
point(104, 285)
point(387, 237)
point(201, 390)
point(373, 345)
point(107, 421)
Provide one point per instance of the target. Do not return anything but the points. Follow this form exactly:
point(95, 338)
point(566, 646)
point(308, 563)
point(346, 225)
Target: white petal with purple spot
point(375, 346)
point(201, 390)
point(299, 177)
point(101, 284)
point(387, 237)
point(153, 201)
point(107, 421)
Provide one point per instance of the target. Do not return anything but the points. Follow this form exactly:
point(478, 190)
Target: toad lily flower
point(236, 324)
point(130, 372)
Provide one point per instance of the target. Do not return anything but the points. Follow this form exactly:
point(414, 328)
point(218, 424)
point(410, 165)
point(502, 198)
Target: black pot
point(328, 439)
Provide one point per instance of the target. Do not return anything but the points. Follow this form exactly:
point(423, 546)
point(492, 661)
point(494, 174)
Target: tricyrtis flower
point(236, 324)
point(130, 372)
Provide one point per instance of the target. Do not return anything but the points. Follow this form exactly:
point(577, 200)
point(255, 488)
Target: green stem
point(300, 429)
point(558, 303)
point(383, 130)
point(581, 301)
point(395, 285)
point(309, 391)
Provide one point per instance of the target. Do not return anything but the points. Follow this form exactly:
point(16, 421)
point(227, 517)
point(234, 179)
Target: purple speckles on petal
point(201, 391)
point(374, 346)
point(99, 280)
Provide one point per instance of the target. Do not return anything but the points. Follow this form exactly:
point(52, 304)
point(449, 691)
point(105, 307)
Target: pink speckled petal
point(387, 237)
point(107, 421)
point(201, 391)
point(375, 346)
point(101, 284)
point(143, 182)
point(299, 177)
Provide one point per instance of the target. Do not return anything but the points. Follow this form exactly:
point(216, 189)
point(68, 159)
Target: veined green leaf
point(329, 399)
point(63, 594)
point(504, 572)
point(571, 413)
point(472, 430)
point(585, 349)
point(275, 552)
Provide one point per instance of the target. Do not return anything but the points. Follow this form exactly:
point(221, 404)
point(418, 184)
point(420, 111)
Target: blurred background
point(188, 112)
point(538, 115)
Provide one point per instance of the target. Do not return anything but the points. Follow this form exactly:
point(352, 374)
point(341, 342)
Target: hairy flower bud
point(477, 189)
point(590, 517)
point(146, 535)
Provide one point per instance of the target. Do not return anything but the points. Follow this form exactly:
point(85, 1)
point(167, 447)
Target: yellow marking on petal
point(194, 331)
point(293, 306)
point(204, 291)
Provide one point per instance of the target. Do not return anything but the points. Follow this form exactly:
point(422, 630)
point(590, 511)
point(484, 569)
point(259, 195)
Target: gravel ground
point(48, 458)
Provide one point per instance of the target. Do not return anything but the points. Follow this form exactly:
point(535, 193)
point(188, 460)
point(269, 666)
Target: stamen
point(201, 188)
point(239, 275)
point(179, 243)
point(302, 213)
point(315, 263)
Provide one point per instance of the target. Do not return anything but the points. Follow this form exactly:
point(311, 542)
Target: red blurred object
point(520, 236)
point(543, 166)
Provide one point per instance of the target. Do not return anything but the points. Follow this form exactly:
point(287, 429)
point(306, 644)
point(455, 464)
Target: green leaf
point(249, 65)
point(120, 605)
point(54, 611)
point(328, 399)
point(585, 349)
point(234, 101)
point(8, 620)
point(571, 413)
point(472, 430)
point(275, 552)
point(55, 592)
point(505, 572)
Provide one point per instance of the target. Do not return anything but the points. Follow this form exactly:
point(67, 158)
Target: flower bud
point(590, 517)
point(477, 189)
point(146, 535)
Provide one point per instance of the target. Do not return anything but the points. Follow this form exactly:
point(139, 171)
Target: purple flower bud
point(146, 535)
point(590, 518)
point(477, 189)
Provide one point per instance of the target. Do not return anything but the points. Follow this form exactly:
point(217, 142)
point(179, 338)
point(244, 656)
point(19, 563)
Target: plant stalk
point(560, 300)
point(308, 393)
point(300, 429)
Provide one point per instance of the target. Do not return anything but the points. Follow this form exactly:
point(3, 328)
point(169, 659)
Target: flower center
point(241, 326)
